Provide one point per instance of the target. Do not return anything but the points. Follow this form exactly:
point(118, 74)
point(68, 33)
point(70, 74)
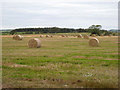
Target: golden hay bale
point(51, 36)
point(14, 36)
point(41, 36)
point(94, 42)
point(17, 37)
point(80, 36)
point(93, 35)
point(63, 35)
point(86, 37)
point(66, 35)
point(47, 35)
point(34, 43)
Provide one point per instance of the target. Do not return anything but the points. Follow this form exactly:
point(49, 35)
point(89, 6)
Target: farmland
point(61, 62)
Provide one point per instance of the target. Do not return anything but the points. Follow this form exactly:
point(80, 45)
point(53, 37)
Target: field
point(67, 62)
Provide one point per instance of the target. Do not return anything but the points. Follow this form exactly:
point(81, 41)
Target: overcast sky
point(59, 13)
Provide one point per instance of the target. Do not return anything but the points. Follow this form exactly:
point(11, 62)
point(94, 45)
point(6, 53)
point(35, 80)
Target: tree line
point(94, 29)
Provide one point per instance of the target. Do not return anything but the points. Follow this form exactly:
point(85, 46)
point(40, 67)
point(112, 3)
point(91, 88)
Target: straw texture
point(62, 35)
point(47, 35)
point(80, 36)
point(86, 37)
point(41, 36)
point(17, 37)
point(34, 43)
point(94, 42)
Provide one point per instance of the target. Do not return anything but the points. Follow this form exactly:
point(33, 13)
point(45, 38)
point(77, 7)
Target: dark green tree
point(95, 29)
point(13, 32)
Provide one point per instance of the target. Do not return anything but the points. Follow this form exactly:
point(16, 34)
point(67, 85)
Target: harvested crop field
point(61, 62)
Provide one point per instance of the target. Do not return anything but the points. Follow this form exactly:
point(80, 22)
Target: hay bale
point(17, 37)
point(66, 35)
point(62, 35)
point(86, 37)
point(14, 36)
point(47, 35)
point(80, 36)
point(94, 42)
point(34, 43)
point(51, 36)
point(93, 35)
point(41, 36)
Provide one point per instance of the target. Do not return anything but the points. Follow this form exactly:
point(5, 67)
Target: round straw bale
point(66, 35)
point(41, 36)
point(63, 35)
point(17, 37)
point(51, 36)
point(93, 35)
point(86, 37)
point(14, 36)
point(47, 35)
point(80, 36)
point(34, 43)
point(94, 42)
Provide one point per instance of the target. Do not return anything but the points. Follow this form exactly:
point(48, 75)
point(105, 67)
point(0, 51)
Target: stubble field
point(61, 62)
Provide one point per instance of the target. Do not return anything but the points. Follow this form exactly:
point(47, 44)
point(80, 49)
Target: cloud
point(59, 1)
point(64, 13)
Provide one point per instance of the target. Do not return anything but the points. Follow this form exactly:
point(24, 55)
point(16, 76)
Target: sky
point(58, 13)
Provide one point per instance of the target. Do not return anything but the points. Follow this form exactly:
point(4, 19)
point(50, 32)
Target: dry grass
point(60, 63)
